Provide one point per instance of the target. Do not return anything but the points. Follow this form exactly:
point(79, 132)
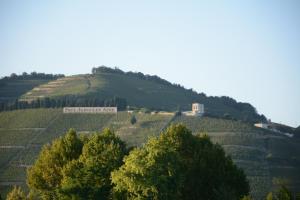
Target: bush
point(132, 120)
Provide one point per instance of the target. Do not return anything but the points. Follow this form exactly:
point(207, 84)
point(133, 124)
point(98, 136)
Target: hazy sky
point(248, 50)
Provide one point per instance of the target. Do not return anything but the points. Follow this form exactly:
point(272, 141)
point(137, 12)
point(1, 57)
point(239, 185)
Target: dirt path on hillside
point(88, 82)
point(168, 123)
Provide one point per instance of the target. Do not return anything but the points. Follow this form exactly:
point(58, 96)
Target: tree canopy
point(77, 168)
point(89, 176)
point(282, 193)
point(133, 119)
point(46, 174)
point(174, 165)
point(179, 165)
point(16, 194)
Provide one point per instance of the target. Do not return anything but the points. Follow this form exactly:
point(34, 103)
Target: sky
point(248, 50)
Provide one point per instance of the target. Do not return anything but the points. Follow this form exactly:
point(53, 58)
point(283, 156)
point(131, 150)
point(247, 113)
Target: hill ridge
point(136, 89)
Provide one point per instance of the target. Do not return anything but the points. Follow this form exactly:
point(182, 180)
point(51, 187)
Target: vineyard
point(24, 132)
point(264, 156)
point(59, 87)
point(13, 89)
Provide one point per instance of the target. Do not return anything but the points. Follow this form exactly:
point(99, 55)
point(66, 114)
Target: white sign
point(90, 110)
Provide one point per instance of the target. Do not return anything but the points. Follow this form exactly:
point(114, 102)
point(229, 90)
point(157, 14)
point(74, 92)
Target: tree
point(89, 176)
point(16, 194)
point(45, 175)
point(77, 168)
point(179, 165)
point(132, 120)
point(269, 196)
point(297, 132)
point(284, 193)
point(246, 198)
point(145, 174)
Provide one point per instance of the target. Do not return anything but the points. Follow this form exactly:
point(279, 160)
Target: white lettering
point(90, 110)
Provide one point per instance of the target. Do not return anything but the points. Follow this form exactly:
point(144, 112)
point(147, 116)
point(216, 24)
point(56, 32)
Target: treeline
point(29, 76)
point(66, 101)
point(154, 78)
point(221, 107)
point(32, 75)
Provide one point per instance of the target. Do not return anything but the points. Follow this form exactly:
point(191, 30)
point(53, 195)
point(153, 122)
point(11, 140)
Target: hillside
point(263, 155)
point(14, 86)
point(139, 90)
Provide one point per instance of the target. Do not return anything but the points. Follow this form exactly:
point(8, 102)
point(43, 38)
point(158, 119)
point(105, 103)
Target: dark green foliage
point(178, 165)
point(283, 193)
point(46, 174)
point(297, 132)
point(132, 120)
point(104, 69)
point(32, 75)
point(73, 168)
point(65, 101)
point(89, 176)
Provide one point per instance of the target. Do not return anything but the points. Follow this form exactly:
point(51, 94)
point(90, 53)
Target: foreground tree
point(89, 176)
point(16, 194)
point(77, 168)
point(246, 198)
point(269, 196)
point(45, 176)
point(283, 193)
point(179, 165)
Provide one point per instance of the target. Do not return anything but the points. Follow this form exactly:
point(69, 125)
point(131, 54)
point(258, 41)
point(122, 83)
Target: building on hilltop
point(197, 110)
point(262, 125)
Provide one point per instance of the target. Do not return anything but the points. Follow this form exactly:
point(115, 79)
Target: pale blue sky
point(248, 50)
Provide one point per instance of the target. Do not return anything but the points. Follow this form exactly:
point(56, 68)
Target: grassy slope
point(62, 86)
point(137, 92)
point(262, 155)
point(13, 89)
